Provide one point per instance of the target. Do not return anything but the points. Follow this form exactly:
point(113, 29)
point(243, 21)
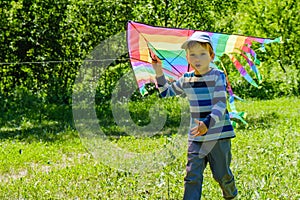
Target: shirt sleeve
point(218, 102)
point(167, 90)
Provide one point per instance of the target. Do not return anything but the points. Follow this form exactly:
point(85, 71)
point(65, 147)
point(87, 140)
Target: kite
point(144, 40)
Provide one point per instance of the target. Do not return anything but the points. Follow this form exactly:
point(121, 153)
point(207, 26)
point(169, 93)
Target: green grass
point(51, 163)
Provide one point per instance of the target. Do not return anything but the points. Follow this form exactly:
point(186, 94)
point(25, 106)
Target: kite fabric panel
point(144, 40)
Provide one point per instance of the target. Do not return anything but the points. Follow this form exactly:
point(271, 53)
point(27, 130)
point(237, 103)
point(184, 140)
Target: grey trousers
point(218, 155)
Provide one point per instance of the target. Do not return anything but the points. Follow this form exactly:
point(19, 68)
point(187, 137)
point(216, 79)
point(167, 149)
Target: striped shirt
point(207, 98)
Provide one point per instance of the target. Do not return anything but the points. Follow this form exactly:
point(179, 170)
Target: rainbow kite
point(144, 40)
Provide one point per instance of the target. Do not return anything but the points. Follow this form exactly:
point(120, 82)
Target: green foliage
point(34, 32)
point(273, 19)
point(202, 15)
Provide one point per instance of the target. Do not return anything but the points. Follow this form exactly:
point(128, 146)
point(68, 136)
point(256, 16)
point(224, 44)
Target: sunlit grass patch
point(52, 164)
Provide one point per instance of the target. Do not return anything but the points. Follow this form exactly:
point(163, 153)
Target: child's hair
point(205, 45)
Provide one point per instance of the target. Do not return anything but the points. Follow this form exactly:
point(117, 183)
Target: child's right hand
point(200, 129)
point(157, 66)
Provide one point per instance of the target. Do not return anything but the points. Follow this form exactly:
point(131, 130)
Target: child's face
point(199, 58)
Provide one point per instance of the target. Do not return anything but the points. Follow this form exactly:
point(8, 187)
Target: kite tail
point(237, 115)
point(253, 67)
point(242, 70)
point(233, 112)
point(249, 54)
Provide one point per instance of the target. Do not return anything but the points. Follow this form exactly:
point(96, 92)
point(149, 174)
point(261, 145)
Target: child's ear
point(212, 56)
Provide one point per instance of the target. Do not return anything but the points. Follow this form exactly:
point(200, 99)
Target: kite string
point(60, 61)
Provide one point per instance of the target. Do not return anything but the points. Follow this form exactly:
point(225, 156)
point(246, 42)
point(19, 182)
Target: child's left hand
point(199, 130)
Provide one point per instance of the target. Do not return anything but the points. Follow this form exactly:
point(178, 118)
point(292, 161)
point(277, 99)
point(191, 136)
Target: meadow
point(48, 160)
point(42, 154)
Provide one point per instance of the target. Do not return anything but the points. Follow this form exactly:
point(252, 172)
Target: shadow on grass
point(45, 132)
point(46, 123)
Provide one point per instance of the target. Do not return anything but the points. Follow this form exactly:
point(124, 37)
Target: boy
point(210, 126)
